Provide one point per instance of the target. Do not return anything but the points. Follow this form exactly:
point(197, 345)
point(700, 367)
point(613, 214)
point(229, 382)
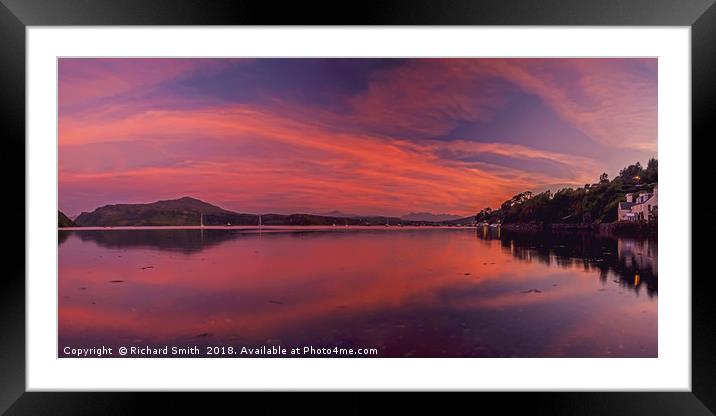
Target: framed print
point(405, 198)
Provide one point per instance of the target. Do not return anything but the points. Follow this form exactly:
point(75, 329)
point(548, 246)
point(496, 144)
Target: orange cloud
point(342, 170)
point(380, 157)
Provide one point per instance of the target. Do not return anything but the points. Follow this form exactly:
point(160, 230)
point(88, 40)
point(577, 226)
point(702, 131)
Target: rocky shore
point(630, 229)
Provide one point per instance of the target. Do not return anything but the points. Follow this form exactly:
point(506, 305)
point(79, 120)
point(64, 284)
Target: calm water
point(404, 292)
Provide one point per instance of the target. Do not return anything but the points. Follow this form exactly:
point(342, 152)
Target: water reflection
point(182, 240)
point(634, 262)
point(408, 293)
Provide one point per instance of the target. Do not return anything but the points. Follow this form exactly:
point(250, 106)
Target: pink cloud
point(310, 167)
point(284, 157)
point(611, 105)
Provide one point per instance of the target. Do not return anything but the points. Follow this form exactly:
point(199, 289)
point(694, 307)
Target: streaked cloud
point(368, 136)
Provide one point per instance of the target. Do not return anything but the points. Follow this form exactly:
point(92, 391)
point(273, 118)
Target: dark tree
point(632, 173)
point(596, 203)
point(484, 215)
point(651, 174)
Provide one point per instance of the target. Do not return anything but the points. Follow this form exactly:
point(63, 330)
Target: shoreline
point(617, 228)
point(265, 227)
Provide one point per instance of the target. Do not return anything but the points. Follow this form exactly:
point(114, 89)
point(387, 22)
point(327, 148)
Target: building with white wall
point(641, 207)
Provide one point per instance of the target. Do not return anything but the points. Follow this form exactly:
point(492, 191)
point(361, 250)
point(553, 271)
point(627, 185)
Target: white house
point(643, 207)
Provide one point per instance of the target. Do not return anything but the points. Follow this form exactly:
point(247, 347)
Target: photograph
point(357, 207)
point(232, 197)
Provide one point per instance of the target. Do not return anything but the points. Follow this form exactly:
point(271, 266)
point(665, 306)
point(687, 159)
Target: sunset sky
point(363, 136)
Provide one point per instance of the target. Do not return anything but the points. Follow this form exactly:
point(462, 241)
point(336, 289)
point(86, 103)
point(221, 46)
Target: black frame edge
point(370, 12)
point(699, 14)
point(12, 122)
point(703, 111)
point(582, 403)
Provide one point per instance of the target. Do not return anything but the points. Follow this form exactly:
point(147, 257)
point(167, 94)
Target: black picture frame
point(16, 15)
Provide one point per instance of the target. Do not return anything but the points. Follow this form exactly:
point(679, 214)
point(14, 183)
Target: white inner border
point(671, 371)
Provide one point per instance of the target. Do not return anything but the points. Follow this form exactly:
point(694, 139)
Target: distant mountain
point(188, 211)
point(338, 214)
point(459, 221)
point(427, 216)
point(182, 211)
point(312, 219)
point(64, 221)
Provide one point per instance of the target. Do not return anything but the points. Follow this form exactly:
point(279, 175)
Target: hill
point(182, 211)
point(594, 203)
point(337, 214)
point(458, 221)
point(64, 221)
point(188, 211)
point(430, 217)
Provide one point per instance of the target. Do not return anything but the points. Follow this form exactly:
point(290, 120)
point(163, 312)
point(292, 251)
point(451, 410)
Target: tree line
point(593, 203)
